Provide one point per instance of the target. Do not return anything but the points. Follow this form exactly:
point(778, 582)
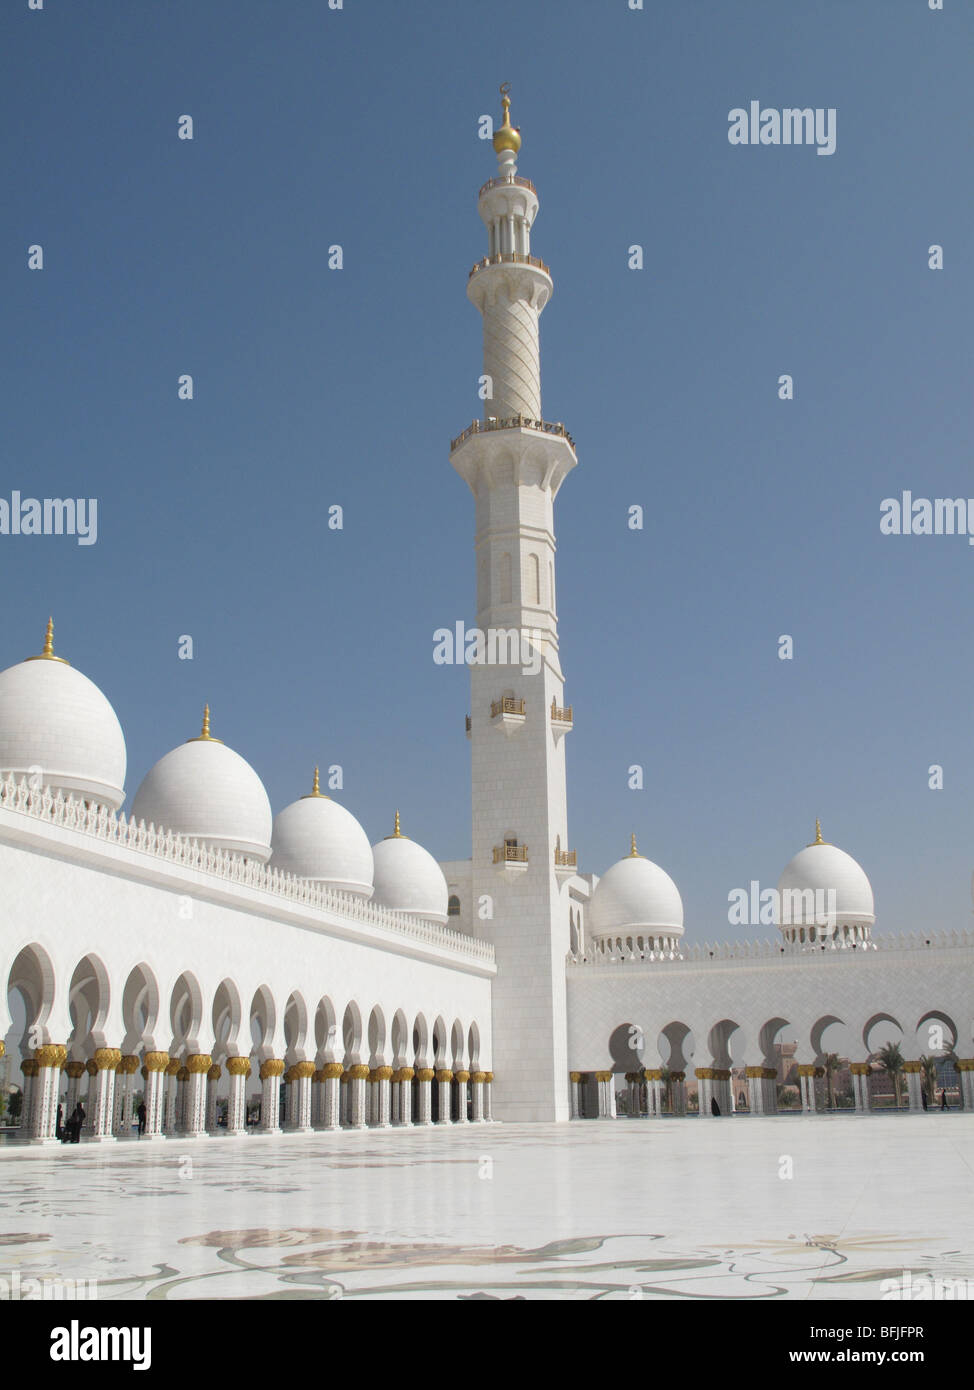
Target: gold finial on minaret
point(506, 137)
point(397, 833)
point(204, 736)
point(634, 852)
point(48, 653)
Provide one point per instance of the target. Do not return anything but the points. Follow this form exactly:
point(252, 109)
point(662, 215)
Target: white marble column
point(653, 1077)
point(860, 1086)
point(212, 1079)
point(301, 1074)
point(238, 1070)
point(75, 1071)
point(488, 1112)
point(331, 1088)
point(444, 1080)
point(106, 1060)
point(461, 1078)
point(29, 1069)
point(607, 1095)
point(357, 1098)
point(154, 1066)
point(194, 1094)
point(914, 1082)
point(477, 1097)
point(49, 1059)
point(379, 1083)
point(705, 1092)
point(271, 1072)
point(170, 1116)
point(405, 1089)
point(424, 1096)
point(965, 1074)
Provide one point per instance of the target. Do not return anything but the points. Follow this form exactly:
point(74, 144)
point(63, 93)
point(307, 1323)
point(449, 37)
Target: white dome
point(205, 791)
point(821, 870)
point(317, 838)
point(408, 878)
point(55, 720)
point(636, 895)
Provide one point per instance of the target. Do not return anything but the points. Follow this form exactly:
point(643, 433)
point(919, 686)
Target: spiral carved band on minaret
point(512, 358)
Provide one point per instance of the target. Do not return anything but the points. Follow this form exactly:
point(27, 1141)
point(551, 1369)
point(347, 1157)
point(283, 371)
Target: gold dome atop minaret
point(507, 137)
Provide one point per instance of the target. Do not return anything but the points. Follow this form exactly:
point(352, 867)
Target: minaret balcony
point(566, 862)
point(516, 422)
point(469, 725)
point(508, 714)
point(561, 719)
point(543, 452)
point(517, 179)
point(509, 258)
point(511, 859)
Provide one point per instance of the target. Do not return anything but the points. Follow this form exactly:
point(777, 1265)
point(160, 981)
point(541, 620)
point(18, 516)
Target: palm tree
point(929, 1073)
point(832, 1064)
point(890, 1059)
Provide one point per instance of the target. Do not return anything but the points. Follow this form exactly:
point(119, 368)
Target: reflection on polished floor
point(624, 1209)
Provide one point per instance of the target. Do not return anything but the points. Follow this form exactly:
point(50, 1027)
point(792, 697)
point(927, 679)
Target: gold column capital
point(198, 1063)
point(51, 1055)
point(330, 1070)
point(274, 1066)
point(238, 1066)
point(155, 1061)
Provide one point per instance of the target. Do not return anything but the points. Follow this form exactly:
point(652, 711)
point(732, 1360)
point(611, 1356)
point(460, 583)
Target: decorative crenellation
point(602, 952)
point(71, 813)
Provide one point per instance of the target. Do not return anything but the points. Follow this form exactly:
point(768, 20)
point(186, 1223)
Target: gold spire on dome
point(204, 736)
point(48, 653)
point(507, 137)
point(315, 790)
point(397, 833)
point(818, 834)
point(634, 852)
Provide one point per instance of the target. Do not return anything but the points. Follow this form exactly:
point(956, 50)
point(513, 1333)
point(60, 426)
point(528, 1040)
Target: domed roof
point(636, 895)
point(408, 878)
point(207, 792)
point(56, 722)
point(317, 838)
point(824, 869)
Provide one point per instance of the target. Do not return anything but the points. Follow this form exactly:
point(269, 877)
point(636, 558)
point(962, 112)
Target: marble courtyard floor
point(593, 1210)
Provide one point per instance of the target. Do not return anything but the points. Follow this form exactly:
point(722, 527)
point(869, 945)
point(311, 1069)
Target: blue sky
point(315, 387)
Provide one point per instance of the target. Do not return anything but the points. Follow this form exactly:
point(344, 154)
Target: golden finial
point(507, 137)
point(48, 653)
point(818, 833)
point(315, 789)
point(397, 833)
point(204, 736)
point(634, 852)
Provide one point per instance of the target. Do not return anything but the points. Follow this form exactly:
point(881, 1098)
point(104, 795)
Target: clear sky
point(313, 387)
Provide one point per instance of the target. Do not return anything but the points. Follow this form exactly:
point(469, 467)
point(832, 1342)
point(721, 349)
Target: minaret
point(514, 463)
